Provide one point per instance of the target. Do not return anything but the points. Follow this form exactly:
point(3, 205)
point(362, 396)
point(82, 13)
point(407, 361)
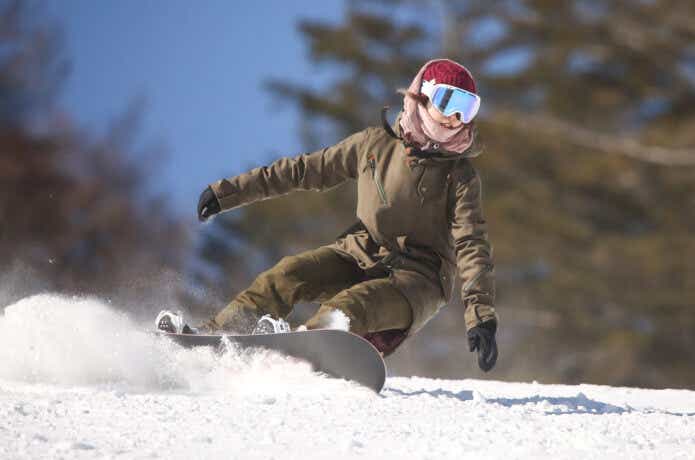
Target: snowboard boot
point(269, 325)
point(172, 323)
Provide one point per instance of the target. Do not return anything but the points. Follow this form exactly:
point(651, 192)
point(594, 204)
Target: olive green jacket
point(419, 217)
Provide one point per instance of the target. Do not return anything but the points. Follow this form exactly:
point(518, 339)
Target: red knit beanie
point(450, 73)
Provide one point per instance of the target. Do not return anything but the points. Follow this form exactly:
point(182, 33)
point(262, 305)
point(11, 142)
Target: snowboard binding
point(172, 323)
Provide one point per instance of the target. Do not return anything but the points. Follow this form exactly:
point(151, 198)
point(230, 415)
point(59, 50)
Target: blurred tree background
point(588, 171)
point(75, 214)
point(588, 132)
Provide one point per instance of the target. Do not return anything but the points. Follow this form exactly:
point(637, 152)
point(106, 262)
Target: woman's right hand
point(208, 205)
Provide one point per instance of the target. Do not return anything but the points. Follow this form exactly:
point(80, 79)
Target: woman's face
point(451, 122)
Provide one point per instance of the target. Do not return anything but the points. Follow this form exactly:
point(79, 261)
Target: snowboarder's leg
point(314, 275)
point(371, 306)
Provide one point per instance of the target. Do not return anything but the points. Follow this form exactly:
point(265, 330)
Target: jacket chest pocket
point(372, 169)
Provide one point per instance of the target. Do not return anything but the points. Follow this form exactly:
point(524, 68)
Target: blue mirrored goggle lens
point(450, 101)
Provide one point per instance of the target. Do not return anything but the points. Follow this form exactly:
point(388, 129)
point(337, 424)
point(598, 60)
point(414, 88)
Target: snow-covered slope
point(78, 380)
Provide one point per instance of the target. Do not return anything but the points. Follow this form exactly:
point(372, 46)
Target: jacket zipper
point(377, 181)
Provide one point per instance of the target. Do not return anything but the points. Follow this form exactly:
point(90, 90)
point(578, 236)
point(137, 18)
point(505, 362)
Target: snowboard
point(337, 353)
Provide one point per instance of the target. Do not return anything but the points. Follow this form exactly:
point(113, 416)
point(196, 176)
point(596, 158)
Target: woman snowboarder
point(420, 217)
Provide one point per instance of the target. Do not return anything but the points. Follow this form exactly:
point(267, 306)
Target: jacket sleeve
point(473, 252)
point(320, 170)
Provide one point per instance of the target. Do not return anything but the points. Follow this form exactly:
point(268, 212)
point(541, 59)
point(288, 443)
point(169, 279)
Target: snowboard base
point(337, 353)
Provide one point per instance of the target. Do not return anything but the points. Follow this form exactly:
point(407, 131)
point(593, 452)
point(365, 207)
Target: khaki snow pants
point(371, 303)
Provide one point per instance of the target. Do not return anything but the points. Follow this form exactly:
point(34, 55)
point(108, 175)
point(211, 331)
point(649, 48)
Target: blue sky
point(201, 67)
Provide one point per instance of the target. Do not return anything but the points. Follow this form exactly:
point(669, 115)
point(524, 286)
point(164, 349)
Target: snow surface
point(79, 380)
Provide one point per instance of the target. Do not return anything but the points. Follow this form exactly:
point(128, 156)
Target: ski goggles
point(450, 100)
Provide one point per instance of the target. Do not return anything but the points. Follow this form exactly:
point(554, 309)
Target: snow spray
point(52, 339)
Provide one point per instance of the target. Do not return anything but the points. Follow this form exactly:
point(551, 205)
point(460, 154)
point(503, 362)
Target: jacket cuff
point(477, 314)
point(227, 200)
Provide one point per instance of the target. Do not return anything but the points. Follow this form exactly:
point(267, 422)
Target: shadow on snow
point(579, 404)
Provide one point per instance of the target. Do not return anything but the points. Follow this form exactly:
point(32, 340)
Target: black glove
point(208, 205)
point(481, 338)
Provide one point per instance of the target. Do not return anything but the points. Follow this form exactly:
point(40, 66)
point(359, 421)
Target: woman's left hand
point(481, 338)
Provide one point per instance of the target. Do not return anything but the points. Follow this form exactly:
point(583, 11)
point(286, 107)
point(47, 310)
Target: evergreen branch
point(628, 146)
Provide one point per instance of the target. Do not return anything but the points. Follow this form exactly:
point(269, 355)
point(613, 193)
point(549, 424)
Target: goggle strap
point(427, 88)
